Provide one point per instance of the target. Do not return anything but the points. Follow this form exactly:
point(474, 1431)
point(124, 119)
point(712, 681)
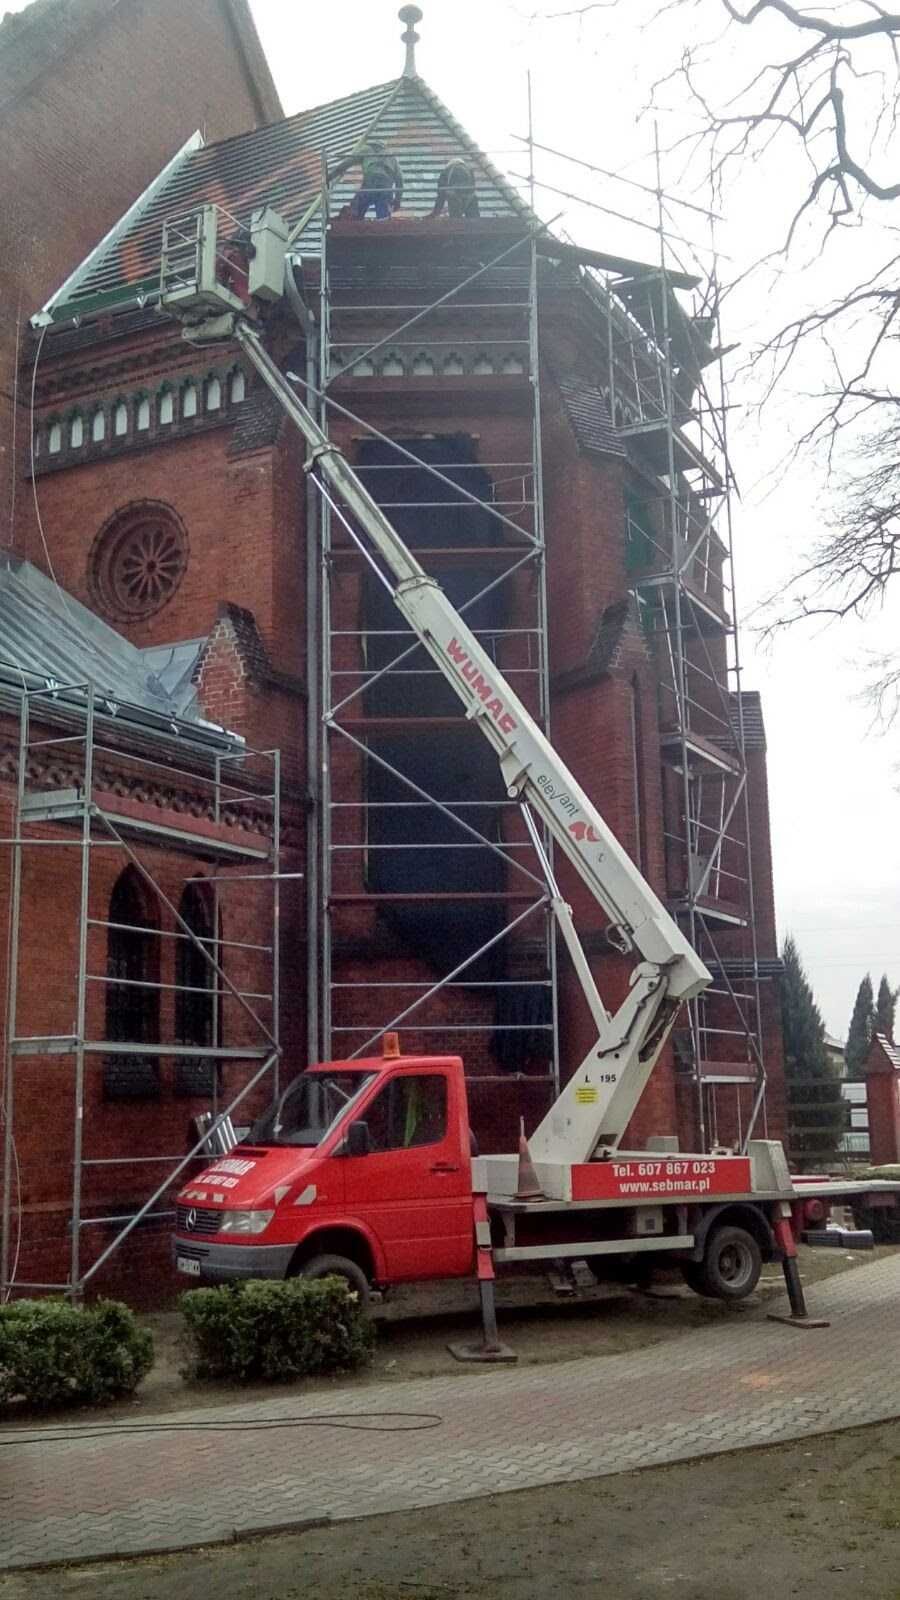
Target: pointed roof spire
point(410, 15)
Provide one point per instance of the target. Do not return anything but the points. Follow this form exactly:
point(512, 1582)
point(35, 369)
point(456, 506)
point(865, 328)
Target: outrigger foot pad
point(798, 1322)
point(483, 1352)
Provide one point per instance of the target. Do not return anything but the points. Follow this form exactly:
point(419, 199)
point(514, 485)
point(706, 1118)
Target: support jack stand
point(490, 1349)
point(799, 1316)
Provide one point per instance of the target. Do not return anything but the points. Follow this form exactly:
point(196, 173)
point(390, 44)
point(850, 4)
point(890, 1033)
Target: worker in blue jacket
point(381, 184)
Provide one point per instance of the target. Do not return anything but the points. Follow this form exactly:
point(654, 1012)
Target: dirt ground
point(814, 1520)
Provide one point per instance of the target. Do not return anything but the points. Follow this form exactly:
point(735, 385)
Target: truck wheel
point(731, 1265)
point(339, 1267)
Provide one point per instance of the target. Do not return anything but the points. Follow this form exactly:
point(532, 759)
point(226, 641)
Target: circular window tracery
point(137, 561)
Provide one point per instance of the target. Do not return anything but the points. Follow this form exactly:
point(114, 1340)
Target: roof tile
point(281, 166)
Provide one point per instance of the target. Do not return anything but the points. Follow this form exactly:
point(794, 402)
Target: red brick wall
point(81, 142)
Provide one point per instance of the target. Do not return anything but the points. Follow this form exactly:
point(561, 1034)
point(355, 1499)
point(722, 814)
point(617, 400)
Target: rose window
point(138, 561)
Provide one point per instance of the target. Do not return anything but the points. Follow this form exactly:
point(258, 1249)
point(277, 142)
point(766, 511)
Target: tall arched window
point(98, 425)
point(196, 999)
point(238, 387)
point(132, 992)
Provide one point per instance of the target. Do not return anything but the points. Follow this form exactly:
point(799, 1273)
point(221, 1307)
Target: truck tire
point(731, 1265)
point(339, 1267)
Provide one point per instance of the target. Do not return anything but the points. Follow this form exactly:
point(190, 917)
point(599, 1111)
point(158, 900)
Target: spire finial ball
point(410, 15)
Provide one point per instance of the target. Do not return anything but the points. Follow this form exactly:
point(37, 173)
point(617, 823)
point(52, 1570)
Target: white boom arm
point(597, 1102)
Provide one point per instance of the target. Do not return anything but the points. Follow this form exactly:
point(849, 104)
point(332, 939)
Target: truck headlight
point(246, 1221)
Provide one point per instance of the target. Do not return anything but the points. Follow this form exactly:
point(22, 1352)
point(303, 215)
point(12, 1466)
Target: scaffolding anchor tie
point(317, 450)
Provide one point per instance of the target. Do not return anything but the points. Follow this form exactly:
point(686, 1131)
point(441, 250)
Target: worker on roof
point(456, 190)
point(381, 184)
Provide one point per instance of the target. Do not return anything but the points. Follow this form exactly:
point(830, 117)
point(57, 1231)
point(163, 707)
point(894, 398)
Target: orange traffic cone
point(527, 1187)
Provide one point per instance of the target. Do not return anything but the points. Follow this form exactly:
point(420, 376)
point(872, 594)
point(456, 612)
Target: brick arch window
point(196, 998)
point(54, 438)
point(142, 415)
point(189, 400)
point(166, 407)
point(98, 426)
point(132, 993)
point(76, 431)
point(238, 386)
point(120, 419)
point(137, 561)
point(213, 393)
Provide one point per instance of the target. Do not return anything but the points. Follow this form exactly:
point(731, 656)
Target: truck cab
point(360, 1168)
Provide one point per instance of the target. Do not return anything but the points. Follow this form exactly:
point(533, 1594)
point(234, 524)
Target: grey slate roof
point(281, 165)
point(49, 637)
point(589, 415)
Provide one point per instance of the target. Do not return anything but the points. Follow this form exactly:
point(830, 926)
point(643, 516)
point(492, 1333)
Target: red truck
point(364, 1169)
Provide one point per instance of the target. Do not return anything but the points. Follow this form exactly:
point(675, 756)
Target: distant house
point(855, 1142)
point(834, 1050)
point(883, 1095)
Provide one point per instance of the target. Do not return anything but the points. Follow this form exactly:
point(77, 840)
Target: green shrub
point(55, 1354)
point(275, 1331)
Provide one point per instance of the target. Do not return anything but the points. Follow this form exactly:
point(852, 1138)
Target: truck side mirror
point(359, 1142)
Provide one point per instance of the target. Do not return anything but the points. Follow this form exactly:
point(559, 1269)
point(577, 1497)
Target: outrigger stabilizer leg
point(490, 1348)
point(784, 1238)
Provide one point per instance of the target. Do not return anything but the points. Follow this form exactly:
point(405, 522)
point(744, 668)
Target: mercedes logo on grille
point(190, 1220)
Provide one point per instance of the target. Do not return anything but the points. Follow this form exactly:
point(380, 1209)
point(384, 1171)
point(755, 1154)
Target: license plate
point(185, 1264)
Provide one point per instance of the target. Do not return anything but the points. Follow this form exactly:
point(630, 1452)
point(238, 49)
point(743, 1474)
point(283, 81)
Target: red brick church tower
point(535, 420)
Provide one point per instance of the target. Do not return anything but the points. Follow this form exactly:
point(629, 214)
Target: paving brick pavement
point(744, 1383)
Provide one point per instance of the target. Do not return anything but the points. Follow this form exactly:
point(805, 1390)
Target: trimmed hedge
point(275, 1331)
point(55, 1354)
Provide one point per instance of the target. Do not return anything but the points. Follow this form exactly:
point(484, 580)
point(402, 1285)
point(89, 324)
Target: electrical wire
point(37, 508)
point(348, 1421)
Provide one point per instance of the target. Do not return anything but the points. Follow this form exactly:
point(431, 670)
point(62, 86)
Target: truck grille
point(194, 1220)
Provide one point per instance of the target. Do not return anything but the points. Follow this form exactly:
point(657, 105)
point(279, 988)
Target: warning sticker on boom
point(587, 1094)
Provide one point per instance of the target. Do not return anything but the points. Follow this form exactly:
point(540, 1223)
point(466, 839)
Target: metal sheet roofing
point(281, 166)
point(49, 637)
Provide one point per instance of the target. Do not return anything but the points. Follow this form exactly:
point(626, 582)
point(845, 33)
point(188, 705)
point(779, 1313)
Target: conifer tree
point(817, 1113)
point(862, 1026)
point(884, 1009)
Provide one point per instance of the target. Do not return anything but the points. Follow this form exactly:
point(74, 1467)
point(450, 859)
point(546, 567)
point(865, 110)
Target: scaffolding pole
point(70, 799)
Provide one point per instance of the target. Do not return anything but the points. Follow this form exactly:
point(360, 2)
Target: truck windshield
point(309, 1108)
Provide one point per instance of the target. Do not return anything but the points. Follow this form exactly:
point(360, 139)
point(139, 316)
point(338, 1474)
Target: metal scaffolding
point(386, 824)
point(666, 394)
point(664, 387)
point(69, 797)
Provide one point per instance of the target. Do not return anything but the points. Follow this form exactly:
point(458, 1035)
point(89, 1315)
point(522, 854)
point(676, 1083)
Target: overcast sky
point(833, 780)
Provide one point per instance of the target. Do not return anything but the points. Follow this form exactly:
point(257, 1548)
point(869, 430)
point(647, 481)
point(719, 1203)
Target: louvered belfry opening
point(418, 726)
point(435, 910)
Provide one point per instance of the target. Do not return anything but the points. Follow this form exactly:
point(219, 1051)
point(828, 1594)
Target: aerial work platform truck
point(365, 1167)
